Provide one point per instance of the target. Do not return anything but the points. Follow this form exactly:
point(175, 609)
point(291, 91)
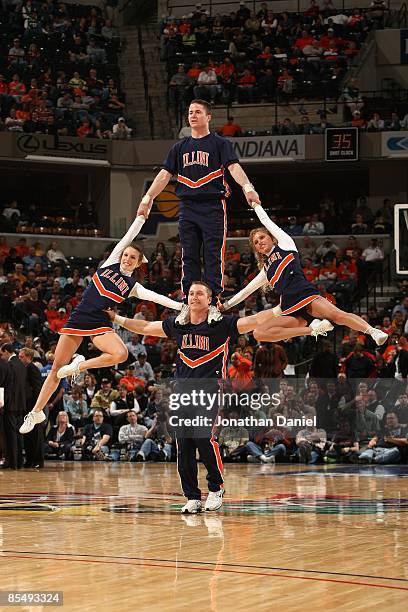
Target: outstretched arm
point(247, 324)
point(285, 241)
point(155, 188)
point(146, 294)
point(130, 235)
point(257, 282)
point(243, 181)
point(138, 326)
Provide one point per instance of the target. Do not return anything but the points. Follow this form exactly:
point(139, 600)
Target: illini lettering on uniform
point(195, 341)
point(275, 256)
point(113, 277)
point(196, 157)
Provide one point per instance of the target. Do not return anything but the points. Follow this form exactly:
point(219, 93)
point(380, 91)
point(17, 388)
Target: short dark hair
point(204, 103)
point(204, 284)
point(7, 348)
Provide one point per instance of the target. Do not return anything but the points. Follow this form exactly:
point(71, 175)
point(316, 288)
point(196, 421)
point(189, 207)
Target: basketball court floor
point(110, 536)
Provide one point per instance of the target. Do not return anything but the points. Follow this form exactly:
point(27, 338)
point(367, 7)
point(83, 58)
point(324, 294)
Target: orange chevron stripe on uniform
point(194, 363)
point(202, 181)
point(220, 466)
point(85, 332)
point(105, 292)
point(224, 243)
point(300, 304)
point(285, 262)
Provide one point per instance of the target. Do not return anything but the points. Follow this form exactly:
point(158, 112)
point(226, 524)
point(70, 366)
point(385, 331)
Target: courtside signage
point(264, 148)
point(394, 144)
point(57, 146)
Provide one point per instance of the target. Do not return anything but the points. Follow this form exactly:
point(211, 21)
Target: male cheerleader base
point(202, 353)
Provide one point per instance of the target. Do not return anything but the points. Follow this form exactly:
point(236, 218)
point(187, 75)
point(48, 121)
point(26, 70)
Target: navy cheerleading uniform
point(202, 354)
point(199, 166)
point(109, 287)
point(283, 271)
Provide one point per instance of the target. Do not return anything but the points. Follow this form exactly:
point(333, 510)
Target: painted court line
point(145, 562)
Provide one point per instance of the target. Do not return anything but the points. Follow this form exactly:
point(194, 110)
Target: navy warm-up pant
point(203, 226)
point(188, 469)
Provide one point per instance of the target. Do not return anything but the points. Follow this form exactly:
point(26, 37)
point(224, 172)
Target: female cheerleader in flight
point(278, 259)
point(111, 284)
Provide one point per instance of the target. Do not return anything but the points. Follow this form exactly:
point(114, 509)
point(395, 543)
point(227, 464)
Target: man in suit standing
point(13, 414)
point(6, 397)
point(33, 441)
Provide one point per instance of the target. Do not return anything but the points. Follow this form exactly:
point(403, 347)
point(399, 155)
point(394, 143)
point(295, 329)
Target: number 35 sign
point(341, 144)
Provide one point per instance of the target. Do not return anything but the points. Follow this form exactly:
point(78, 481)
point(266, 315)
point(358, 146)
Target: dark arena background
point(313, 97)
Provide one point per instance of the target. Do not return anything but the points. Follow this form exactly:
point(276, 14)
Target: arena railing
point(298, 6)
point(402, 16)
point(148, 101)
point(366, 297)
point(326, 104)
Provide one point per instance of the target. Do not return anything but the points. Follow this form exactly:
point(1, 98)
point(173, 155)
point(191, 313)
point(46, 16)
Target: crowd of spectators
point(309, 125)
point(59, 70)
point(249, 56)
point(357, 392)
point(79, 219)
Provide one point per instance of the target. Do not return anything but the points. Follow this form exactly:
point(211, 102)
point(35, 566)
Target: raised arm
point(159, 183)
point(257, 282)
point(138, 326)
point(285, 241)
point(243, 181)
point(130, 235)
point(146, 294)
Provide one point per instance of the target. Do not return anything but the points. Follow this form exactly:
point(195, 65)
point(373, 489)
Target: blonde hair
point(260, 259)
point(58, 415)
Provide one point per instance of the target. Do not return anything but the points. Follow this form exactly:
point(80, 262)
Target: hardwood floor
point(110, 536)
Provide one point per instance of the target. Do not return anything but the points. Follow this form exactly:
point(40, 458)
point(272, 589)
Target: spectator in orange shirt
point(16, 87)
point(22, 248)
point(4, 248)
point(347, 270)
point(225, 70)
point(194, 71)
point(240, 372)
point(391, 350)
point(4, 88)
point(330, 41)
point(304, 40)
point(84, 129)
point(130, 380)
point(313, 9)
point(59, 322)
point(328, 273)
point(246, 87)
point(309, 270)
point(230, 128)
point(18, 273)
point(386, 325)
point(358, 120)
point(149, 305)
point(233, 255)
point(51, 312)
